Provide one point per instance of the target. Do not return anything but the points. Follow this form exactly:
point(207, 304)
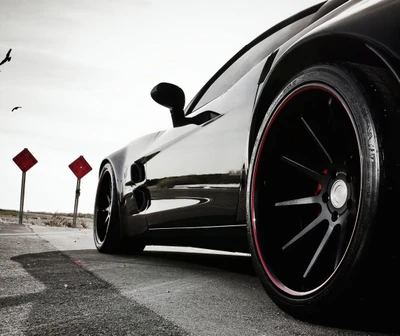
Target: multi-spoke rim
point(305, 189)
point(103, 207)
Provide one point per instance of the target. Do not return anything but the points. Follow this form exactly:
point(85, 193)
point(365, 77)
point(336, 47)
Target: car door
point(194, 172)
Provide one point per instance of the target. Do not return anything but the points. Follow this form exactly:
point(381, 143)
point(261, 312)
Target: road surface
point(54, 282)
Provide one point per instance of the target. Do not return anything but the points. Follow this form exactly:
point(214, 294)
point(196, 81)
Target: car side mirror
point(173, 98)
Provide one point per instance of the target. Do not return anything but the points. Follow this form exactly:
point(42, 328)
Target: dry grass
point(60, 220)
point(57, 220)
point(8, 212)
point(51, 219)
point(64, 214)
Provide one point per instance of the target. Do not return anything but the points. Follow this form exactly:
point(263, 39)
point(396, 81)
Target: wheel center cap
point(338, 194)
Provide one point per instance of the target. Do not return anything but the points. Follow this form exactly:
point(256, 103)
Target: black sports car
point(288, 152)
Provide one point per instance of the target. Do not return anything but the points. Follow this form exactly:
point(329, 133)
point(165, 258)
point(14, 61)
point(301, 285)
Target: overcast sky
point(83, 71)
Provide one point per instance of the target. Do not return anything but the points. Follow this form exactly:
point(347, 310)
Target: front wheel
point(106, 227)
point(315, 184)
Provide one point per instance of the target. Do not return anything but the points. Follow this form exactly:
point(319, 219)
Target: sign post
point(21, 202)
point(80, 167)
point(77, 194)
point(25, 161)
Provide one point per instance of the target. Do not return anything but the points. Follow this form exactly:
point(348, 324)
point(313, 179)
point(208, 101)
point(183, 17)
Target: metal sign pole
point(21, 204)
point(77, 193)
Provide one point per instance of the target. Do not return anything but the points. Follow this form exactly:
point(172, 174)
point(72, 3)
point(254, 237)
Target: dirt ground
point(49, 219)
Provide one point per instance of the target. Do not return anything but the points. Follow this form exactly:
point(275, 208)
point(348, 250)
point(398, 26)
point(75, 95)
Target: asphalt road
point(53, 282)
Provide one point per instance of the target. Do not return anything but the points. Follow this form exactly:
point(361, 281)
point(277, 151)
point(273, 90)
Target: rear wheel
point(316, 179)
point(106, 227)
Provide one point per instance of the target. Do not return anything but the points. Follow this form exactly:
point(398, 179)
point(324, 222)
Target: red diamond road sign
point(80, 167)
point(25, 160)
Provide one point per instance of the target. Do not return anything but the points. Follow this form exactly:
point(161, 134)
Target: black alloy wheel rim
point(103, 207)
point(305, 189)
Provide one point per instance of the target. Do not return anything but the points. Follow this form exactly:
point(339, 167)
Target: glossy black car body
point(188, 185)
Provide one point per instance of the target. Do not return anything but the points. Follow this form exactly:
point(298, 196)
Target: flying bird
point(16, 108)
point(7, 58)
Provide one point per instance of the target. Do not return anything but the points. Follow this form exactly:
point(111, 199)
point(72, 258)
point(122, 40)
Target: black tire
point(107, 234)
point(347, 149)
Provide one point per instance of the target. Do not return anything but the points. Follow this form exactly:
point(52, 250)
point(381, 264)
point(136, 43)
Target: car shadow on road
point(372, 313)
point(77, 302)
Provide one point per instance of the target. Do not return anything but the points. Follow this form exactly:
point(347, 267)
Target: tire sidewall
point(347, 87)
point(110, 234)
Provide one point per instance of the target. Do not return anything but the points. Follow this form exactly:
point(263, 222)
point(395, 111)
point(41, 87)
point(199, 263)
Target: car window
point(248, 60)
